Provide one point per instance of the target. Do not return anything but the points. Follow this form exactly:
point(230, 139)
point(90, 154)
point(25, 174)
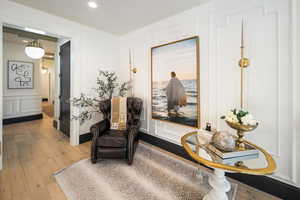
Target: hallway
point(48, 109)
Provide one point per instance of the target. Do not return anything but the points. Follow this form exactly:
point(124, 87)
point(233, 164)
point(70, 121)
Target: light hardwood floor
point(34, 150)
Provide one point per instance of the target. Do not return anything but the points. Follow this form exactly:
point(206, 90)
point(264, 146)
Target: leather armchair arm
point(132, 134)
point(100, 127)
point(97, 129)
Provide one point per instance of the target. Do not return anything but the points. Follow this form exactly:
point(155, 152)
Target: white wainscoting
point(268, 84)
point(19, 106)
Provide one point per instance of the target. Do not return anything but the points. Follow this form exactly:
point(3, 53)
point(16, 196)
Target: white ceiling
point(114, 16)
point(50, 47)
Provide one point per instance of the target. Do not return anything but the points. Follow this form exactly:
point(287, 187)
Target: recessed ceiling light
point(92, 4)
point(35, 31)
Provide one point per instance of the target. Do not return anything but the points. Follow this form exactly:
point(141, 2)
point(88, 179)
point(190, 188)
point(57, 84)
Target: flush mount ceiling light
point(34, 50)
point(93, 3)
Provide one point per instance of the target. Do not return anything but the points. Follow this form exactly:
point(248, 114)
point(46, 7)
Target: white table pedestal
point(220, 186)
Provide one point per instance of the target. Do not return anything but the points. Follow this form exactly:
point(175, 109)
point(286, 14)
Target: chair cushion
point(113, 138)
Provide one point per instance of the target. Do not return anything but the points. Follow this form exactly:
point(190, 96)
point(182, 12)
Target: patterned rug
point(154, 175)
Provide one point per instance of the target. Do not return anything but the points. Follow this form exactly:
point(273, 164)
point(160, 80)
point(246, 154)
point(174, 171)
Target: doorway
point(48, 72)
point(24, 106)
point(28, 80)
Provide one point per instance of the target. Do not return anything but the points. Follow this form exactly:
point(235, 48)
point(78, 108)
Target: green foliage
point(240, 114)
point(106, 88)
point(123, 89)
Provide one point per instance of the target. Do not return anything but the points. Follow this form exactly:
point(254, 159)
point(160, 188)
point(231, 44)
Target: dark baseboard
point(263, 183)
point(85, 138)
point(22, 119)
point(166, 145)
point(55, 124)
point(44, 99)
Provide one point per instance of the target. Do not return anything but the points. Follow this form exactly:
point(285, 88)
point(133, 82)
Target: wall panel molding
point(19, 106)
point(267, 46)
point(268, 79)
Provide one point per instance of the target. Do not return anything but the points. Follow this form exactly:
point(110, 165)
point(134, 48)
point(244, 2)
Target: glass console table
point(195, 143)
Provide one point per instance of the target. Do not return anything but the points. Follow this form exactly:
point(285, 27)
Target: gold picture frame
point(181, 118)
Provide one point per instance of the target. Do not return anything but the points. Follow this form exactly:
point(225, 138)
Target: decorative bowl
point(241, 127)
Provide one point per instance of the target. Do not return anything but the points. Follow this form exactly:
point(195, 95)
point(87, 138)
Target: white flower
point(232, 118)
point(252, 122)
point(248, 120)
point(229, 113)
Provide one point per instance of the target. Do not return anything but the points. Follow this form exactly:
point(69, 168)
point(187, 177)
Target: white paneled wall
point(20, 102)
point(296, 89)
point(268, 84)
point(18, 106)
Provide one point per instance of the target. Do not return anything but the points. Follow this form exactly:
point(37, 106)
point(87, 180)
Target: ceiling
point(113, 16)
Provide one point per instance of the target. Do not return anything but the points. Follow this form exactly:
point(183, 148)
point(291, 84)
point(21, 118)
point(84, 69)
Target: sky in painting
point(179, 57)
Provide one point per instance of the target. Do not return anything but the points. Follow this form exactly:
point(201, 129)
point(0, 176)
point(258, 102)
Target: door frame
point(74, 125)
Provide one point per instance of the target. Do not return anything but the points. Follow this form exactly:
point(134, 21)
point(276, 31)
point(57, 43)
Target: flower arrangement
point(240, 117)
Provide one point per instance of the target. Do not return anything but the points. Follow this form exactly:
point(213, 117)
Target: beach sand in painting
point(187, 114)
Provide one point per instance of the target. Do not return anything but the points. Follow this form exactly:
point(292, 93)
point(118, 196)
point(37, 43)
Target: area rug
point(154, 175)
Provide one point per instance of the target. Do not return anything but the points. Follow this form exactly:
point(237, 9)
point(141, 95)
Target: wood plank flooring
point(34, 150)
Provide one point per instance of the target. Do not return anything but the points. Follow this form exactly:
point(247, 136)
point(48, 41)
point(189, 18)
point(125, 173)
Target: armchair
point(119, 144)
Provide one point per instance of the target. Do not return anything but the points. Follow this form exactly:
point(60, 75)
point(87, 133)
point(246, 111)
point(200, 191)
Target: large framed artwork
point(175, 82)
point(20, 75)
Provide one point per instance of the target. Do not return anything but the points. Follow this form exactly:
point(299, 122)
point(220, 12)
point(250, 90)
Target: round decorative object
point(224, 141)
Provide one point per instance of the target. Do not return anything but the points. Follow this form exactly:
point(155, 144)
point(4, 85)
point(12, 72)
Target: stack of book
point(249, 153)
point(231, 157)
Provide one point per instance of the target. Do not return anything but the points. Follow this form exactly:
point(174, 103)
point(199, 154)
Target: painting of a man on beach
point(175, 83)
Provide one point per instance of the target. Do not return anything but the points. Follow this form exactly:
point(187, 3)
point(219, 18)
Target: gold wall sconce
point(132, 70)
point(243, 63)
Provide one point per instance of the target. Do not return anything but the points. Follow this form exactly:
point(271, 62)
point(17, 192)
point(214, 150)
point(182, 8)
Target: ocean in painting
point(187, 114)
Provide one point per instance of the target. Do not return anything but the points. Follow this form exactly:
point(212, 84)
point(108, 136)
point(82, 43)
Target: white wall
point(90, 49)
point(51, 69)
point(269, 85)
point(296, 89)
point(20, 102)
point(47, 79)
point(45, 85)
